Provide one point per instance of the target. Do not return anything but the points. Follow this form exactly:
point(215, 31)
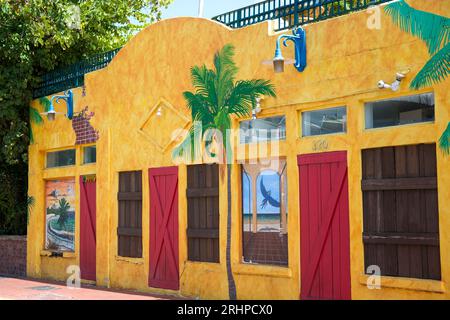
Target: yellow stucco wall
point(345, 62)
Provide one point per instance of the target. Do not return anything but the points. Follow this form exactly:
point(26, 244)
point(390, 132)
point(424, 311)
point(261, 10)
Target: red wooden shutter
point(88, 229)
point(164, 228)
point(324, 235)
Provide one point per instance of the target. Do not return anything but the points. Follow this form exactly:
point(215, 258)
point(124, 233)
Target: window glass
point(264, 129)
point(326, 121)
point(89, 154)
point(399, 111)
point(264, 209)
point(61, 158)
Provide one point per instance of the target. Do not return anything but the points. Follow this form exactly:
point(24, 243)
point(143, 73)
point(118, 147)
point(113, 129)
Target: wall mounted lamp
point(256, 109)
point(298, 37)
point(68, 97)
point(399, 76)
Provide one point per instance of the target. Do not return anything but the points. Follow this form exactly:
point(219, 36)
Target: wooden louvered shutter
point(401, 222)
point(129, 231)
point(203, 212)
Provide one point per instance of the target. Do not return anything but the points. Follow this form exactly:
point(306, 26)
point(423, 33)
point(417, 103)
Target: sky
point(183, 8)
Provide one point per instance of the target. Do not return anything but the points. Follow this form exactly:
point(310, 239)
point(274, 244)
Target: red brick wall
point(84, 131)
point(13, 255)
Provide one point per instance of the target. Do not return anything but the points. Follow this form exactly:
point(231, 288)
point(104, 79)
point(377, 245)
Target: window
point(264, 129)
point(326, 121)
point(129, 230)
point(89, 154)
point(399, 111)
point(264, 213)
point(61, 158)
point(203, 212)
point(60, 215)
point(400, 211)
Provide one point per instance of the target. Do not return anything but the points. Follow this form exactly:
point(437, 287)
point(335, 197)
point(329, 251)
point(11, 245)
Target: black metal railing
point(72, 76)
point(291, 13)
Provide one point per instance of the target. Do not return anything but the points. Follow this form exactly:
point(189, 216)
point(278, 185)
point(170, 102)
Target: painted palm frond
point(30, 204)
point(435, 70)
point(45, 103)
point(444, 141)
point(35, 118)
point(433, 29)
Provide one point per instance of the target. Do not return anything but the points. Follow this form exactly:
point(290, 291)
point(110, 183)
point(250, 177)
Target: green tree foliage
point(434, 30)
point(217, 98)
point(37, 36)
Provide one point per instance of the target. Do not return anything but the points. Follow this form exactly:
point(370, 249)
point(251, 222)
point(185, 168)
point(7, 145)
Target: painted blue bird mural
point(268, 199)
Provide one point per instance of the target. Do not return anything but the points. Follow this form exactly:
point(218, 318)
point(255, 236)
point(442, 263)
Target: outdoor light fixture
point(396, 84)
point(299, 40)
point(68, 97)
point(257, 108)
point(159, 112)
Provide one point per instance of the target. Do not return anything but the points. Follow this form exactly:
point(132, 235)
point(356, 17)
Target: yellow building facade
point(346, 59)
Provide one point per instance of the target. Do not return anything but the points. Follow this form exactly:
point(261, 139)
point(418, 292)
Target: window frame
point(318, 109)
point(404, 95)
point(83, 154)
point(47, 152)
point(241, 215)
point(242, 144)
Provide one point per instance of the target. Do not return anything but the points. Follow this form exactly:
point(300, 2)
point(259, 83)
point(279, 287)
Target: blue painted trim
point(298, 37)
point(68, 97)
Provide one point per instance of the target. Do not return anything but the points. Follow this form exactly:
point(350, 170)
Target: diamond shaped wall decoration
point(161, 124)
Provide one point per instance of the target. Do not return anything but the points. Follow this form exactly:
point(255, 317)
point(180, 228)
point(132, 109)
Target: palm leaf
point(36, 118)
point(444, 141)
point(30, 204)
point(225, 70)
point(203, 81)
point(434, 71)
point(244, 93)
point(45, 103)
point(223, 60)
point(433, 29)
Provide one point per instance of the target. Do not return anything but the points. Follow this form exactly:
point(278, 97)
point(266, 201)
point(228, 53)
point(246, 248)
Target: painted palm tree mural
point(218, 97)
point(434, 30)
point(35, 116)
point(60, 215)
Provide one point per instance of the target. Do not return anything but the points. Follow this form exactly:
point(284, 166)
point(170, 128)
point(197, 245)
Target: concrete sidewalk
point(26, 289)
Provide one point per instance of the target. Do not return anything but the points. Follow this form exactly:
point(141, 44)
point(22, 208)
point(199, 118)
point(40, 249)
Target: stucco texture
point(345, 62)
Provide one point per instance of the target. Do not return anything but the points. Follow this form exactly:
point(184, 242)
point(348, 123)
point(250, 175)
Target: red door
point(164, 228)
point(324, 234)
point(87, 228)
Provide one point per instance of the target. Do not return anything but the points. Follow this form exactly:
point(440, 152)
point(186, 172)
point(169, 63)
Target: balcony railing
point(72, 76)
point(291, 13)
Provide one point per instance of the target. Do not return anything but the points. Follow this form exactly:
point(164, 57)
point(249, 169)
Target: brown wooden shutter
point(203, 212)
point(401, 223)
point(129, 231)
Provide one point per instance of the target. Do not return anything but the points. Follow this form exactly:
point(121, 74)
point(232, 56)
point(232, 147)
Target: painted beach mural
point(264, 213)
point(60, 215)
